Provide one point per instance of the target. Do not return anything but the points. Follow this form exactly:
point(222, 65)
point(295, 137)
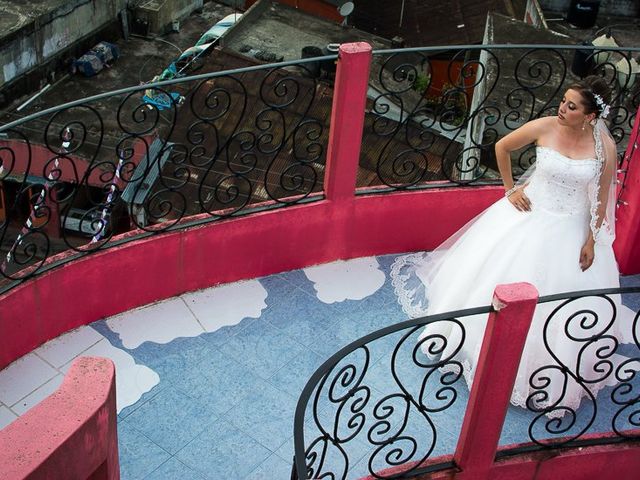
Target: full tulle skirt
point(503, 246)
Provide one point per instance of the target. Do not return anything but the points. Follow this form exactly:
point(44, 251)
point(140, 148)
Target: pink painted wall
point(342, 226)
point(144, 271)
point(70, 434)
point(495, 375)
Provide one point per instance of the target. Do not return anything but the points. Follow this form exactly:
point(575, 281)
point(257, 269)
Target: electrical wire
point(617, 25)
point(169, 43)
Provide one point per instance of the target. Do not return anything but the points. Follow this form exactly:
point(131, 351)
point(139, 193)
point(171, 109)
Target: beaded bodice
point(560, 184)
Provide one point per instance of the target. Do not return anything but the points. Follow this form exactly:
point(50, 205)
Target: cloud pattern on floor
point(189, 315)
point(346, 280)
point(38, 374)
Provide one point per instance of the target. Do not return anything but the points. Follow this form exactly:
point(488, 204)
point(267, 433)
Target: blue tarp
point(95, 59)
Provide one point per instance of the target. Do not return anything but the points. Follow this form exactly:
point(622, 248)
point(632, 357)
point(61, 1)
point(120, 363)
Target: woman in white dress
point(554, 229)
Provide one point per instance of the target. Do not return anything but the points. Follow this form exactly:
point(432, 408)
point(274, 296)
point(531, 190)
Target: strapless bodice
point(560, 184)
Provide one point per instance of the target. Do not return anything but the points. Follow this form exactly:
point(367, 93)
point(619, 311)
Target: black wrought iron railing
point(159, 157)
point(382, 403)
point(389, 404)
point(590, 382)
point(187, 151)
point(435, 113)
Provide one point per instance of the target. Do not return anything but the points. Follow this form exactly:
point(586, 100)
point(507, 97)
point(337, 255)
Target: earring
point(584, 124)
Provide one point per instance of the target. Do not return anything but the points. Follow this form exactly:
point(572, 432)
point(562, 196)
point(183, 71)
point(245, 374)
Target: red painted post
point(70, 434)
point(628, 210)
point(347, 120)
point(502, 346)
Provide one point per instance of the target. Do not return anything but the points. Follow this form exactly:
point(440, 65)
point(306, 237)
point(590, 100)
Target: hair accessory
point(604, 108)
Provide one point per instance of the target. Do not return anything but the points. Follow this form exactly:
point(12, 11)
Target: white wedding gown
point(542, 247)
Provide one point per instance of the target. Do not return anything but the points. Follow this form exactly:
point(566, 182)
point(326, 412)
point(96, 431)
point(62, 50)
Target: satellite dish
point(346, 9)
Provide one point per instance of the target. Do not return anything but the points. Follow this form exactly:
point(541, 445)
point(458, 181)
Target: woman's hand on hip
point(520, 200)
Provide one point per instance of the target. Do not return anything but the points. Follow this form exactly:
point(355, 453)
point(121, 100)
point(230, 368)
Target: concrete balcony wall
point(70, 434)
point(343, 225)
point(151, 269)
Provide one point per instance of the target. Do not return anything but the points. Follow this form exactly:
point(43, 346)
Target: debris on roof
point(99, 57)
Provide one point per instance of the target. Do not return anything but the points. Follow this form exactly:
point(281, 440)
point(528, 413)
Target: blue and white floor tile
point(208, 381)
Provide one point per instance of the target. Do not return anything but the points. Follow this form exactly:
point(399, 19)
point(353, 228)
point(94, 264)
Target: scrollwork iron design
point(216, 146)
point(228, 142)
point(384, 403)
point(592, 344)
point(461, 101)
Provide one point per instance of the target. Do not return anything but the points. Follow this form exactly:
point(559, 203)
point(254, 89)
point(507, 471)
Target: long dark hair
point(587, 87)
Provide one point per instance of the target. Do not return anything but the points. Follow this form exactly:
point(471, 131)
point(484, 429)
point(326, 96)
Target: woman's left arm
point(587, 253)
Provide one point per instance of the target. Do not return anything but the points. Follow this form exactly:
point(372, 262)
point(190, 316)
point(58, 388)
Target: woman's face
point(571, 110)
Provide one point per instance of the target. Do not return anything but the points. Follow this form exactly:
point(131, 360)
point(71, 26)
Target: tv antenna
point(345, 10)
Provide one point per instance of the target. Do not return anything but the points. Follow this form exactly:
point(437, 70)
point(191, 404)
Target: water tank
point(329, 66)
point(312, 67)
point(583, 61)
point(583, 13)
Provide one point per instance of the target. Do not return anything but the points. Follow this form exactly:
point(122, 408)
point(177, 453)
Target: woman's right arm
point(528, 133)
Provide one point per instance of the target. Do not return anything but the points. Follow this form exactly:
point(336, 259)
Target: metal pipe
point(44, 89)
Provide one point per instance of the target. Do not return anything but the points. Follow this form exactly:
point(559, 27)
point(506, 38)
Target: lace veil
point(602, 191)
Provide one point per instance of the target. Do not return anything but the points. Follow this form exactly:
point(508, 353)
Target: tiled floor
point(207, 383)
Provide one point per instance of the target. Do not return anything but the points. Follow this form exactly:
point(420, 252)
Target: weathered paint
point(602, 462)
point(497, 368)
point(42, 31)
point(70, 434)
point(340, 227)
point(347, 120)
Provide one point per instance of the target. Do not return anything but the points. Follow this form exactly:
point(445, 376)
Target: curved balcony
point(172, 202)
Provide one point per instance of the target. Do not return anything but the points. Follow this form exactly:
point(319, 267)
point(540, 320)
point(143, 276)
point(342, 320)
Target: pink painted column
point(70, 434)
point(347, 120)
point(502, 346)
point(628, 211)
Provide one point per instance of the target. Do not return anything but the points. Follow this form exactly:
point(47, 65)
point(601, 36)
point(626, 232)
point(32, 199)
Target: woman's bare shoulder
point(546, 123)
point(542, 125)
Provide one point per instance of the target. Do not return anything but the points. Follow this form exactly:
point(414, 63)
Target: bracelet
point(510, 191)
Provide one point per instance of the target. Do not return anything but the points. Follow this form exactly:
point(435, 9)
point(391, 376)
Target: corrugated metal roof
point(424, 23)
point(140, 187)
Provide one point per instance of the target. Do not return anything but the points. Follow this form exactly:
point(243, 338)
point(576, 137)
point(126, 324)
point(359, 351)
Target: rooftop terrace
point(207, 382)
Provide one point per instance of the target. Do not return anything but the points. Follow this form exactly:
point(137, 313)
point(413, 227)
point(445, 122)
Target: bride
point(553, 229)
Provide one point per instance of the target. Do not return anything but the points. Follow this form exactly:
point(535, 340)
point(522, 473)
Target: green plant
point(422, 83)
